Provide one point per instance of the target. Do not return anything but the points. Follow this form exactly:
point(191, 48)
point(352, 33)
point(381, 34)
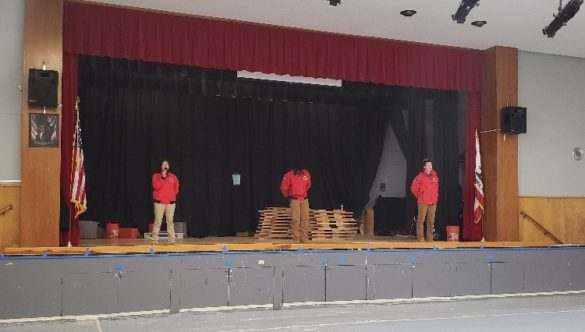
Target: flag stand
point(69, 232)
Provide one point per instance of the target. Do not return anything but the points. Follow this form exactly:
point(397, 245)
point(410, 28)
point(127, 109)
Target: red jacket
point(165, 190)
point(426, 188)
point(296, 186)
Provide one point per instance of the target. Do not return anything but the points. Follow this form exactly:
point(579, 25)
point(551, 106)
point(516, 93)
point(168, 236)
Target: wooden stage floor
point(220, 244)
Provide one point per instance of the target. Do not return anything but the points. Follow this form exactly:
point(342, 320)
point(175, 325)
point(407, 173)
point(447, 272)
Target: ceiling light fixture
point(464, 8)
point(334, 2)
point(564, 15)
point(408, 12)
point(478, 24)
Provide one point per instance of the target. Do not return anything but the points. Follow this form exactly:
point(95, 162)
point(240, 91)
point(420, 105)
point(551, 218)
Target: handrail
point(5, 209)
point(540, 227)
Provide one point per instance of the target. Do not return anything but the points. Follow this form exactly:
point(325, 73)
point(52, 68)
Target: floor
point(517, 313)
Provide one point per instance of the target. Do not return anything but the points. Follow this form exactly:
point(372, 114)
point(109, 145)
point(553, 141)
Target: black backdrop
point(210, 125)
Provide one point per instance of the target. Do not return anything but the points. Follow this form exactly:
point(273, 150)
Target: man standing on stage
point(425, 187)
point(165, 189)
point(295, 186)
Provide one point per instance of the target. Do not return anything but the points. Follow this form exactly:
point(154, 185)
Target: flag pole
point(69, 232)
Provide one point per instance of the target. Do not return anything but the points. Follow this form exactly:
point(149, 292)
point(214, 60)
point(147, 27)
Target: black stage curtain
point(411, 118)
point(210, 125)
point(425, 123)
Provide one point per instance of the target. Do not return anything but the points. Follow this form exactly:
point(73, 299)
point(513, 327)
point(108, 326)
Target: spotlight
point(464, 8)
point(565, 14)
point(334, 2)
point(408, 12)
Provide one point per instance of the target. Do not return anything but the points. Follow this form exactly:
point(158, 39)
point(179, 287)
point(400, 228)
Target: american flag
point(479, 198)
point(78, 197)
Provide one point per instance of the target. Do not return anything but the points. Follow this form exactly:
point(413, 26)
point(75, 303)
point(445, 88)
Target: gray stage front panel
point(90, 293)
point(470, 278)
point(251, 285)
point(391, 281)
point(203, 288)
point(345, 283)
point(117, 285)
point(431, 279)
point(29, 288)
point(144, 290)
point(507, 277)
point(576, 261)
point(545, 272)
point(303, 284)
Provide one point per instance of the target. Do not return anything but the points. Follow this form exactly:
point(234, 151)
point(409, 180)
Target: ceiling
point(513, 23)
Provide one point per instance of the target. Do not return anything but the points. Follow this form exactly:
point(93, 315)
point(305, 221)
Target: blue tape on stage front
point(490, 259)
point(119, 267)
point(229, 263)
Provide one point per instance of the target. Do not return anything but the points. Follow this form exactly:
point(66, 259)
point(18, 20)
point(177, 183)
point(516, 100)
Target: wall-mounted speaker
point(42, 87)
point(514, 120)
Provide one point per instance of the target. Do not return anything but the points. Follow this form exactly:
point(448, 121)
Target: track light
point(408, 12)
point(565, 14)
point(478, 24)
point(464, 8)
point(334, 2)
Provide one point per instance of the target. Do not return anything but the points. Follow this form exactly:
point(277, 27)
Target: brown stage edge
point(141, 246)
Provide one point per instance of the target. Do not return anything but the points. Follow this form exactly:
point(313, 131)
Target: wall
point(552, 89)
point(11, 35)
point(551, 188)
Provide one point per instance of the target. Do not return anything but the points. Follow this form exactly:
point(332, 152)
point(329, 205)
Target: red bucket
point(453, 233)
point(112, 231)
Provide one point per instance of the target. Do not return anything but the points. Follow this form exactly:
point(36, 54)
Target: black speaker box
point(514, 120)
point(42, 87)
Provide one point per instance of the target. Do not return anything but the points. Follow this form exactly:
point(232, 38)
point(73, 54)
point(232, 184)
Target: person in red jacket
point(425, 187)
point(295, 186)
point(165, 189)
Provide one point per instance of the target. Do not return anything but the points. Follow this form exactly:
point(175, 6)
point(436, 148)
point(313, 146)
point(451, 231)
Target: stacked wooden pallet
point(336, 224)
point(275, 223)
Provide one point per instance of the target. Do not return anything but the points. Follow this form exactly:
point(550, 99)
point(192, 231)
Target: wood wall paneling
point(10, 221)
point(564, 217)
point(40, 167)
point(499, 151)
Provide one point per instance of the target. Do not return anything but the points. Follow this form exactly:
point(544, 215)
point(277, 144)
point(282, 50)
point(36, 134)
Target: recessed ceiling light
point(408, 12)
point(478, 24)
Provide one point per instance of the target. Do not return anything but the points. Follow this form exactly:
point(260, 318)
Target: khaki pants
point(159, 211)
point(425, 212)
point(300, 220)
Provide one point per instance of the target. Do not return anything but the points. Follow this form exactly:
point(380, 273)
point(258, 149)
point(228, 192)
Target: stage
point(242, 243)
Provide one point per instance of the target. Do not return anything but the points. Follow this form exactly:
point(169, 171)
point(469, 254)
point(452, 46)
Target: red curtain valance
point(141, 35)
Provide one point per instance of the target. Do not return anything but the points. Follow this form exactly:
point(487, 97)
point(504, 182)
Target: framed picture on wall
point(43, 130)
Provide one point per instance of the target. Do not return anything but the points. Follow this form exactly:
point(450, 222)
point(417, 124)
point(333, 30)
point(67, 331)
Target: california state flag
point(479, 198)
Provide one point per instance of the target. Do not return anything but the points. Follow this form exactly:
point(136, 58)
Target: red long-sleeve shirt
point(165, 190)
point(425, 187)
point(296, 186)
